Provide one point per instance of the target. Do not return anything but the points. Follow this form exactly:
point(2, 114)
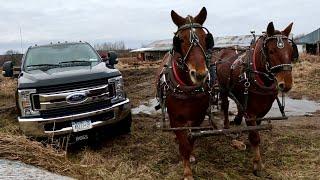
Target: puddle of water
point(294, 107)
point(18, 170)
point(146, 108)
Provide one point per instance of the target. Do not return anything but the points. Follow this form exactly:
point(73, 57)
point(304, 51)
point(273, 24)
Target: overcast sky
point(138, 22)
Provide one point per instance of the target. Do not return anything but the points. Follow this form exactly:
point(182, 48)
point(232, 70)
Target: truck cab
point(66, 88)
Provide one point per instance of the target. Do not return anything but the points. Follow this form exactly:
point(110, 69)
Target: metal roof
point(311, 38)
point(160, 45)
point(227, 41)
point(166, 45)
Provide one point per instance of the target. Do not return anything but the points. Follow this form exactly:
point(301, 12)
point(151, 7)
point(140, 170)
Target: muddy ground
point(290, 151)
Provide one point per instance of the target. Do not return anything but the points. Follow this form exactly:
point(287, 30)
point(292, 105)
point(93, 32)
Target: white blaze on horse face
point(198, 78)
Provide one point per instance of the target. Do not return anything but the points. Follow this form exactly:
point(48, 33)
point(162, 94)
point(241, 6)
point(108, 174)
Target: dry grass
point(15, 146)
point(134, 63)
point(306, 74)
point(7, 90)
point(290, 151)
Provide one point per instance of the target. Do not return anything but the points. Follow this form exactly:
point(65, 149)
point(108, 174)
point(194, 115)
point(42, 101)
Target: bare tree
point(111, 46)
point(11, 52)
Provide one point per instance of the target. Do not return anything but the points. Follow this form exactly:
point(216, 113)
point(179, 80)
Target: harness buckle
point(247, 84)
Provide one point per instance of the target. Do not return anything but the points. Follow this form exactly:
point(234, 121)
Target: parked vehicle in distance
point(68, 88)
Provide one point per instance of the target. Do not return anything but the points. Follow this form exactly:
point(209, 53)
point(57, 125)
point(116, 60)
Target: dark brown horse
point(182, 80)
point(253, 78)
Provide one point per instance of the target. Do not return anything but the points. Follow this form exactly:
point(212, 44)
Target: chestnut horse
point(182, 80)
point(253, 78)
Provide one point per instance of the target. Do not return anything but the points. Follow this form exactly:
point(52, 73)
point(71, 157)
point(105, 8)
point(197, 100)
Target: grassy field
point(7, 91)
point(289, 151)
point(306, 74)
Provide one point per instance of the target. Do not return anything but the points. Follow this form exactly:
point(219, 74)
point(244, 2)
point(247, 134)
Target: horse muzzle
point(284, 80)
point(198, 77)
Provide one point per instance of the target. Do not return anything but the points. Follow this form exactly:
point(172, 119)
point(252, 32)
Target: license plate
point(81, 125)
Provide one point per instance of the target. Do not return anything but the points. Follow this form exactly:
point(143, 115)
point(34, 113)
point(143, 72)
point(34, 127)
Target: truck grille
point(58, 103)
point(70, 86)
point(74, 110)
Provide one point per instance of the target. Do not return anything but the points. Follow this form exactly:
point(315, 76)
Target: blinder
point(295, 55)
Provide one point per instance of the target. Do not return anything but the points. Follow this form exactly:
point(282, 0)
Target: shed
point(157, 49)
point(310, 42)
point(153, 51)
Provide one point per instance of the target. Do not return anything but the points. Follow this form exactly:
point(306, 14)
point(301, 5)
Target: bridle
point(194, 42)
point(280, 44)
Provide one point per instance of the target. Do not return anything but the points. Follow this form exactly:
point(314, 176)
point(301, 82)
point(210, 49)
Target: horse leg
point(225, 109)
point(192, 156)
point(238, 118)
point(185, 149)
point(254, 139)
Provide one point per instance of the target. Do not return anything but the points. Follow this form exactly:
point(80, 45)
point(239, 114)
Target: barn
point(153, 51)
point(309, 43)
point(157, 49)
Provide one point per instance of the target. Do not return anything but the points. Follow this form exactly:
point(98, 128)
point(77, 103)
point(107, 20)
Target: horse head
point(279, 54)
point(192, 41)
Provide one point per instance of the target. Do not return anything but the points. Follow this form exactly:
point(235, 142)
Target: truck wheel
point(124, 126)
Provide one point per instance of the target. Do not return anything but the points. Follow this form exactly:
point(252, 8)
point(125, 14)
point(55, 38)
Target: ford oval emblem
point(76, 98)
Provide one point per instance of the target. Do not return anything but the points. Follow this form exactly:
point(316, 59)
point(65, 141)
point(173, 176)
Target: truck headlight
point(25, 102)
point(119, 94)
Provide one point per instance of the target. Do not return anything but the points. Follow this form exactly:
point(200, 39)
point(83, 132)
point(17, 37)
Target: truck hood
point(63, 75)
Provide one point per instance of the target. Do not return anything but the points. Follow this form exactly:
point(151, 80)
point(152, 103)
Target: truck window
point(56, 54)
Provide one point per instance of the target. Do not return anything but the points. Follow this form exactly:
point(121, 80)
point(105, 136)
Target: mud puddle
point(293, 107)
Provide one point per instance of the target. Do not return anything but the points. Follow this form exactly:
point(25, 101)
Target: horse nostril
point(193, 73)
point(281, 86)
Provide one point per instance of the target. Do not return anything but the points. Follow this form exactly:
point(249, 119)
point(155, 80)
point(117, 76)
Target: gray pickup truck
point(66, 88)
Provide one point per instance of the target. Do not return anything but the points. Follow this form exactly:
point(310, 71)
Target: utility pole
point(21, 41)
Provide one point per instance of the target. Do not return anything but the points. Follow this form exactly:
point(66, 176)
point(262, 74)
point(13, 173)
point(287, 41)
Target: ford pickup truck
point(67, 88)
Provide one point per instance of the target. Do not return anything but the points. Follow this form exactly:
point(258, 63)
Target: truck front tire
point(124, 126)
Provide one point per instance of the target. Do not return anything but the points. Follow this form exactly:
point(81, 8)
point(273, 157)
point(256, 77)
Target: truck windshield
point(60, 55)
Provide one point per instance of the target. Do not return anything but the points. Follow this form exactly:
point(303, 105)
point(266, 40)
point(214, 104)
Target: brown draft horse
point(264, 69)
point(183, 79)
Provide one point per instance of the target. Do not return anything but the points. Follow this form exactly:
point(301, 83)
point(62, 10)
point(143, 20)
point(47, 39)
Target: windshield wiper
point(75, 61)
point(44, 65)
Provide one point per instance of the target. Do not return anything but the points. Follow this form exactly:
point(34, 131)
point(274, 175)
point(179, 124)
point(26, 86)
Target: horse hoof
point(238, 145)
point(237, 120)
point(258, 169)
point(259, 173)
point(192, 159)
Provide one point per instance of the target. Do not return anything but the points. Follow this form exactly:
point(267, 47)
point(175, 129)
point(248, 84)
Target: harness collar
point(175, 73)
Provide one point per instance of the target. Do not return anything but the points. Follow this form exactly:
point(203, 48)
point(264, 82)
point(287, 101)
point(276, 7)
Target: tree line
point(111, 46)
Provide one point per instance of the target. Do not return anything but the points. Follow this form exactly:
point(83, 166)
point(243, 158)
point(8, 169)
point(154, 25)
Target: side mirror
point(113, 58)
point(104, 57)
point(7, 69)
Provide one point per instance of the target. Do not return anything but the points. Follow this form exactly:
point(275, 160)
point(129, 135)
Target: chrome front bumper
point(35, 126)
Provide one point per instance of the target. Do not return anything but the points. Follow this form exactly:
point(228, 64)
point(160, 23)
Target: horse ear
point(270, 29)
point(201, 17)
point(287, 30)
point(178, 20)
